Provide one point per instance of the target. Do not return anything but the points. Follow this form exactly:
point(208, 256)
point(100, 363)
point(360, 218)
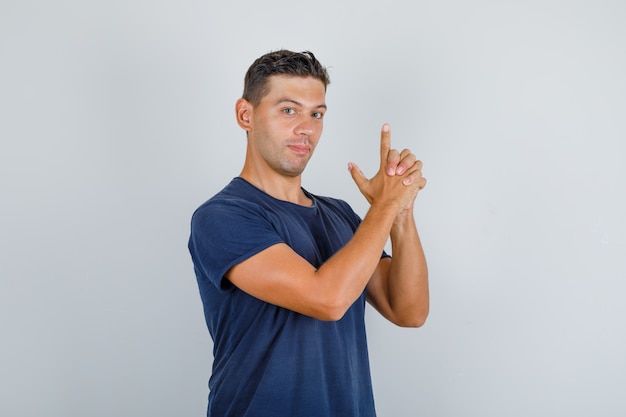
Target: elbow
point(415, 323)
point(332, 313)
point(330, 316)
point(416, 320)
point(332, 310)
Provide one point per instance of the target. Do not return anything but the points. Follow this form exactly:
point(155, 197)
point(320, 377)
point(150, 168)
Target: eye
point(318, 115)
point(289, 111)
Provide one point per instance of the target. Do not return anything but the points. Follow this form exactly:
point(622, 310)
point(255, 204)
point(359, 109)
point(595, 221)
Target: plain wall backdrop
point(117, 121)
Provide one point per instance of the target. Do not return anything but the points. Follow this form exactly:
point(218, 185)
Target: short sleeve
point(225, 233)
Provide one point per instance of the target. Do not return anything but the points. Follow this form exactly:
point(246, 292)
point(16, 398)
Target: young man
point(284, 274)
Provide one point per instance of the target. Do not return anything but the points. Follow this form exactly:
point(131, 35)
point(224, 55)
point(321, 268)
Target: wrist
point(384, 214)
point(405, 219)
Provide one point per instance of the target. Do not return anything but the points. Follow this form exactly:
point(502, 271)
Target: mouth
point(300, 149)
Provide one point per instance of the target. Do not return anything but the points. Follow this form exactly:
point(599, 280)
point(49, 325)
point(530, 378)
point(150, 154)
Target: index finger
point(385, 144)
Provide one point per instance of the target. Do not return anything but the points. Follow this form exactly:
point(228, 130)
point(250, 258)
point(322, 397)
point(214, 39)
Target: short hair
point(282, 62)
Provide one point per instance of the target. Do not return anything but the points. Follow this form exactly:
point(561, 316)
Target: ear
point(243, 112)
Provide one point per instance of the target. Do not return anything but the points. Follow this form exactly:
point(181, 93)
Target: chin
point(292, 172)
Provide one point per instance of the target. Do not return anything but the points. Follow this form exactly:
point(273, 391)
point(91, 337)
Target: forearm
point(407, 284)
point(345, 275)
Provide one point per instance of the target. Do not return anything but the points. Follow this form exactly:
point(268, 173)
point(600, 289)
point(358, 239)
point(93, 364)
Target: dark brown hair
point(282, 62)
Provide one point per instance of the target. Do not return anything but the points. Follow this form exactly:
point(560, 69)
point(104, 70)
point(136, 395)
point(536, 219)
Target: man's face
point(287, 124)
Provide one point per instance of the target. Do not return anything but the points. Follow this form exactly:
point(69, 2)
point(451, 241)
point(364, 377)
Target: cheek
point(315, 139)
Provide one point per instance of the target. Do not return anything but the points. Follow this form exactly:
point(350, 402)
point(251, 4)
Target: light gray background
point(117, 121)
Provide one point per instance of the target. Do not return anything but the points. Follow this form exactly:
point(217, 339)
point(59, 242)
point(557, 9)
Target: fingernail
point(385, 127)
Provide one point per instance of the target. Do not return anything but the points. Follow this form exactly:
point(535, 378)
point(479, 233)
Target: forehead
point(295, 88)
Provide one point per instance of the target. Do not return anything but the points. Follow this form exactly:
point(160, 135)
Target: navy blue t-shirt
point(268, 360)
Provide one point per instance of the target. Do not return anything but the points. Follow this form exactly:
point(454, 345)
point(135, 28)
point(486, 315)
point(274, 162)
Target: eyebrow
point(297, 103)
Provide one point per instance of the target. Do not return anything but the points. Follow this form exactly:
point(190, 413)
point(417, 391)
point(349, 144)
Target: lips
point(299, 149)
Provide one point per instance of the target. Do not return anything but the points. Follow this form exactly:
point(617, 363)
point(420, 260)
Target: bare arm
point(398, 288)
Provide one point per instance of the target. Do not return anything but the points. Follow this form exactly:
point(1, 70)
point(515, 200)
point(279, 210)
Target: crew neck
point(308, 194)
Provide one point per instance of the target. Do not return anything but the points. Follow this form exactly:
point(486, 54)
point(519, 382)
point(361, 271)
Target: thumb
point(357, 175)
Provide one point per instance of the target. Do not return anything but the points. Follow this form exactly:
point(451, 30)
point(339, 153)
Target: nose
point(305, 127)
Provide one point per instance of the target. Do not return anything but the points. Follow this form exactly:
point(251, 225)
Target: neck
point(278, 186)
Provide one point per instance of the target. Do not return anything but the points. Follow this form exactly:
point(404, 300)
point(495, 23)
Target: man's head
point(283, 62)
point(282, 112)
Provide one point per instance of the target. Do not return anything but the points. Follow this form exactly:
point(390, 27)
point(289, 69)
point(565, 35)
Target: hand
point(400, 162)
point(398, 179)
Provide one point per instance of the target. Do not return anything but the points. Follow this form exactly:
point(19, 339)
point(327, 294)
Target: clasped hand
point(398, 179)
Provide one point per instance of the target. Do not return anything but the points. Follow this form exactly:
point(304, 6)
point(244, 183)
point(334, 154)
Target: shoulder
point(236, 198)
point(240, 211)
